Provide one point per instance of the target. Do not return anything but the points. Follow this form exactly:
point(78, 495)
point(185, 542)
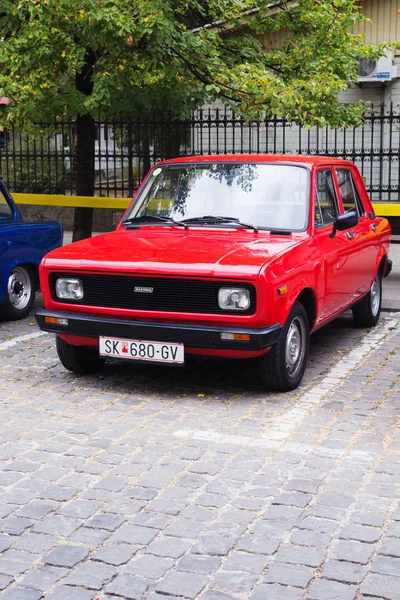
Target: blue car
point(22, 247)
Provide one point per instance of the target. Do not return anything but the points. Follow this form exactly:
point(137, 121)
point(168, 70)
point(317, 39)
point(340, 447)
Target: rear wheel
point(366, 313)
point(78, 359)
point(20, 294)
point(282, 368)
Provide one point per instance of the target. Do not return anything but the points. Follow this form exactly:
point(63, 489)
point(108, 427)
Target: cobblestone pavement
point(155, 483)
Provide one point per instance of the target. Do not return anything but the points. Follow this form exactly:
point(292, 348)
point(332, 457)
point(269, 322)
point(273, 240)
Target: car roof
point(301, 159)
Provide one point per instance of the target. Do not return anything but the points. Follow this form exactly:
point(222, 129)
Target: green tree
point(86, 58)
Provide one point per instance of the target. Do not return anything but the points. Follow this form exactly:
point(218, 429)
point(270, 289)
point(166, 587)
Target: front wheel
point(20, 294)
point(78, 359)
point(366, 312)
point(282, 368)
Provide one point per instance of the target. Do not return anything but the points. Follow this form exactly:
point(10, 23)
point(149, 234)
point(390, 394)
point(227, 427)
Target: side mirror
point(343, 222)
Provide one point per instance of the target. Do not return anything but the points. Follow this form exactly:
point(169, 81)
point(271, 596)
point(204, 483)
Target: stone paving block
point(150, 567)
point(129, 587)
point(185, 528)
point(352, 551)
point(283, 513)
point(169, 507)
point(66, 592)
point(300, 555)
point(134, 534)
point(15, 562)
point(327, 512)
point(289, 574)
point(276, 592)
point(334, 499)
point(91, 575)
point(19, 593)
point(180, 584)
point(152, 520)
point(106, 521)
point(57, 525)
point(386, 565)
point(243, 561)
point(116, 554)
point(66, 556)
point(141, 493)
point(257, 544)
point(294, 498)
point(5, 580)
point(344, 572)
point(56, 492)
point(79, 509)
point(393, 529)
point(215, 544)
point(7, 509)
point(112, 483)
point(216, 595)
point(43, 578)
point(381, 586)
point(89, 537)
point(35, 542)
point(306, 537)
point(235, 582)
point(15, 525)
point(318, 524)
point(331, 590)
point(390, 547)
point(37, 509)
point(195, 563)
point(5, 542)
point(368, 518)
point(169, 547)
point(360, 533)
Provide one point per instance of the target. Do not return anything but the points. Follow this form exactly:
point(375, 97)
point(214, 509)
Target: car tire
point(78, 359)
point(366, 313)
point(20, 294)
point(282, 368)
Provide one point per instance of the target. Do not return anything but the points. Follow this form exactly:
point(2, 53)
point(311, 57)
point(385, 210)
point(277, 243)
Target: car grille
point(168, 295)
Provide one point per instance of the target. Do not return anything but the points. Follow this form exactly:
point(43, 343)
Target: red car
point(239, 256)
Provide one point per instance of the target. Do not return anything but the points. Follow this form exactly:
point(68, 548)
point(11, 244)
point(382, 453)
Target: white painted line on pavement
point(285, 424)
point(21, 339)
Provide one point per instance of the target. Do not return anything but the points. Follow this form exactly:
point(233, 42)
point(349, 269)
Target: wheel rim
point(295, 346)
point(375, 296)
point(19, 288)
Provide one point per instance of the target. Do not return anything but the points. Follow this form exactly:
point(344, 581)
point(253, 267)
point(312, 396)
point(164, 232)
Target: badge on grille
point(143, 290)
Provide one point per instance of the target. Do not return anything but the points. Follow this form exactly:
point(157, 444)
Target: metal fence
point(125, 150)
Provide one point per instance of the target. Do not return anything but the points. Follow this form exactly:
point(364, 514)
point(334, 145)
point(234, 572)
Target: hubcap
point(376, 295)
point(295, 346)
point(19, 288)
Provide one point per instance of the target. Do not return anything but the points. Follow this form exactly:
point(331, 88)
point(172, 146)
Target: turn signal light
point(56, 321)
point(237, 337)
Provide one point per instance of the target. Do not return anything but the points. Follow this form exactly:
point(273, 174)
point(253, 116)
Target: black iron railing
point(126, 149)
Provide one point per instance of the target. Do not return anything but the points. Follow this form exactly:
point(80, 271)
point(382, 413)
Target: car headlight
point(69, 289)
point(234, 298)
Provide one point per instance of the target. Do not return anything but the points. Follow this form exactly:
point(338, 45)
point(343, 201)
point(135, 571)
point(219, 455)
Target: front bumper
point(194, 336)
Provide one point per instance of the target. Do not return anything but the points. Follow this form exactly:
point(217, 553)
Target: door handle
point(350, 235)
point(374, 226)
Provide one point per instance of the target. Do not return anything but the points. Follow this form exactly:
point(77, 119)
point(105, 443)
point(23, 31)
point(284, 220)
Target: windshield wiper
point(150, 219)
point(215, 219)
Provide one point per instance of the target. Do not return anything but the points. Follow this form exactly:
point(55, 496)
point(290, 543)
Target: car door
point(366, 239)
point(337, 283)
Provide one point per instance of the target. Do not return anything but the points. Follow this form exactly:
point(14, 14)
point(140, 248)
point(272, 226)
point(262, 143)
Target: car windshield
point(269, 196)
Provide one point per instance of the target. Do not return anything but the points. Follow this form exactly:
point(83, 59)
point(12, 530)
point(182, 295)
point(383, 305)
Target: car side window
point(5, 208)
point(326, 206)
point(350, 197)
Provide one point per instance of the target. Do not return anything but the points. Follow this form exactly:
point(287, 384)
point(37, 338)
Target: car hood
point(170, 251)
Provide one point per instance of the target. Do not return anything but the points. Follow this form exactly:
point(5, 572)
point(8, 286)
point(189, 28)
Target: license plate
point(142, 350)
